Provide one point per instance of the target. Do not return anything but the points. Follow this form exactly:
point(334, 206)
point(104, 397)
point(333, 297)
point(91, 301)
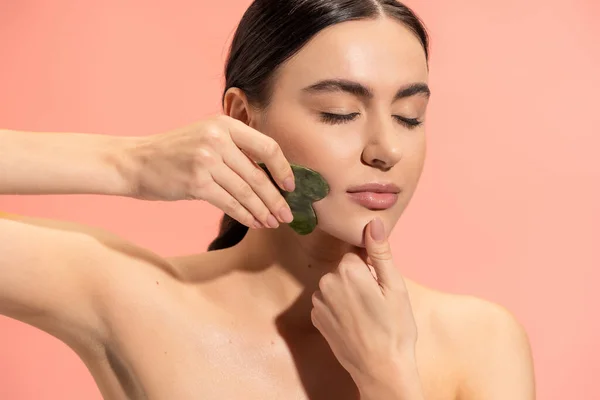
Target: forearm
point(397, 381)
point(64, 163)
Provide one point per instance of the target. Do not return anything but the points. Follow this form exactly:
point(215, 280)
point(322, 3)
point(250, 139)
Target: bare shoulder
point(468, 318)
point(489, 344)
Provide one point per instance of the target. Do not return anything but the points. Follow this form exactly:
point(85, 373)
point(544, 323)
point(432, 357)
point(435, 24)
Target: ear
point(236, 105)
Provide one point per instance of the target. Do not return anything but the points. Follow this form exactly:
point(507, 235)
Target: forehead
point(381, 53)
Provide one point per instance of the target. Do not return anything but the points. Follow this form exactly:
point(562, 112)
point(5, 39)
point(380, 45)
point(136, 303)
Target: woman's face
point(351, 106)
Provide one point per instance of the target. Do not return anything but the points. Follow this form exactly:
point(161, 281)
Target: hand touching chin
point(368, 321)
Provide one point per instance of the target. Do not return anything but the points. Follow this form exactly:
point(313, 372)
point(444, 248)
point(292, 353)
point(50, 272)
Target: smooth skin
point(278, 316)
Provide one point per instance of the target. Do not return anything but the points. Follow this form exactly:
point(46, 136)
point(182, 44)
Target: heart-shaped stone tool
point(310, 187)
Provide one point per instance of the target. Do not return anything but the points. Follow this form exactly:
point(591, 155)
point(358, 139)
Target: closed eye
point(410, 123)
point(330, 118)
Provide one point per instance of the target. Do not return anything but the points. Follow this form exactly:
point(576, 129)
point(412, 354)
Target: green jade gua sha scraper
point(310, 187)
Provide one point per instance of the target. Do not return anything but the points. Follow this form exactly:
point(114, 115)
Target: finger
point(359, 274)
point(263, 148)
point(335, 295)
point(366, 291)
point(369, 263)
point(321, 314)
point(220, 198)
point(380, 254)
point(327, 290)
point(362, 285)
point(260, 183)
point(241, 191)
point(318, 300)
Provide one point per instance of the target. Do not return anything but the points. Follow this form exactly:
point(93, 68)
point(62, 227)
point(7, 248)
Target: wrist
point(121, 156)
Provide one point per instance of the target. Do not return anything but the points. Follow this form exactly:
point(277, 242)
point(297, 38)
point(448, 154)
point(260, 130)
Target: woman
point(339, 86)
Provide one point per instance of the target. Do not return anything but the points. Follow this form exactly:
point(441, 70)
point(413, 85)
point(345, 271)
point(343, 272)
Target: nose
point(383, 148)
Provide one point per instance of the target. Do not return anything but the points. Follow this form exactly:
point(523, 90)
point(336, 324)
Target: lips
point(375, 196)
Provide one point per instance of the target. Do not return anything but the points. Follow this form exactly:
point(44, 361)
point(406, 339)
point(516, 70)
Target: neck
point(291, 267)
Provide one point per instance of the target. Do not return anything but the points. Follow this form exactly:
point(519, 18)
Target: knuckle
point(314, 317)
point(258, 177)
point(205, 157)
point(271, 148)
point(215, 136)
point(383, 257)
point(350, 259)
point(231, 206)
point(354, 272)
point(221, 118)
point(345, 268)
point(245, 191)
point(264, 216)
point(326, 282)
point(381, 254)
point(315, 299)
point(249, 220)
point(200, 185)
point(281, 202)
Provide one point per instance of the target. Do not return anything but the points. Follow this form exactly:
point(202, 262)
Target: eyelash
point(330, 118)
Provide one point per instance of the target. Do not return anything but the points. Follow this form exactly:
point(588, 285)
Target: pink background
point(508, 207)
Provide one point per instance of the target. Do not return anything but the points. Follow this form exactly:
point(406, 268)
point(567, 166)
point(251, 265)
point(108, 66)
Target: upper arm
point(52, 275)
point(497, 361)
point(46, 278)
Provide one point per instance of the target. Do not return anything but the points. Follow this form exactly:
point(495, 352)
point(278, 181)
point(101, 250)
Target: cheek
point(414, 160)
point(290, 130)
point(306, 141)
point(336, 220)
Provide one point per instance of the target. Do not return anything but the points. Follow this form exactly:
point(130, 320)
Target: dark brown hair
point(272, 31)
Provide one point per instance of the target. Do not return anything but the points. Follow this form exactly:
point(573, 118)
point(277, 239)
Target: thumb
point(380, 253)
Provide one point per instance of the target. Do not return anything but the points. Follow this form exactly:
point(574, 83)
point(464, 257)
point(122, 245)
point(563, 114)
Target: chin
point(353, 235)
point(348, 223)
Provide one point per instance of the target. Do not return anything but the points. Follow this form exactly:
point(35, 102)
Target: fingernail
point(272, 221)
point(377, 230)
point(286, 215)
point(257, 224)
point(289, 184)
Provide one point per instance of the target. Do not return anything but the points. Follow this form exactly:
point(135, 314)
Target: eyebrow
point(359, 90)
